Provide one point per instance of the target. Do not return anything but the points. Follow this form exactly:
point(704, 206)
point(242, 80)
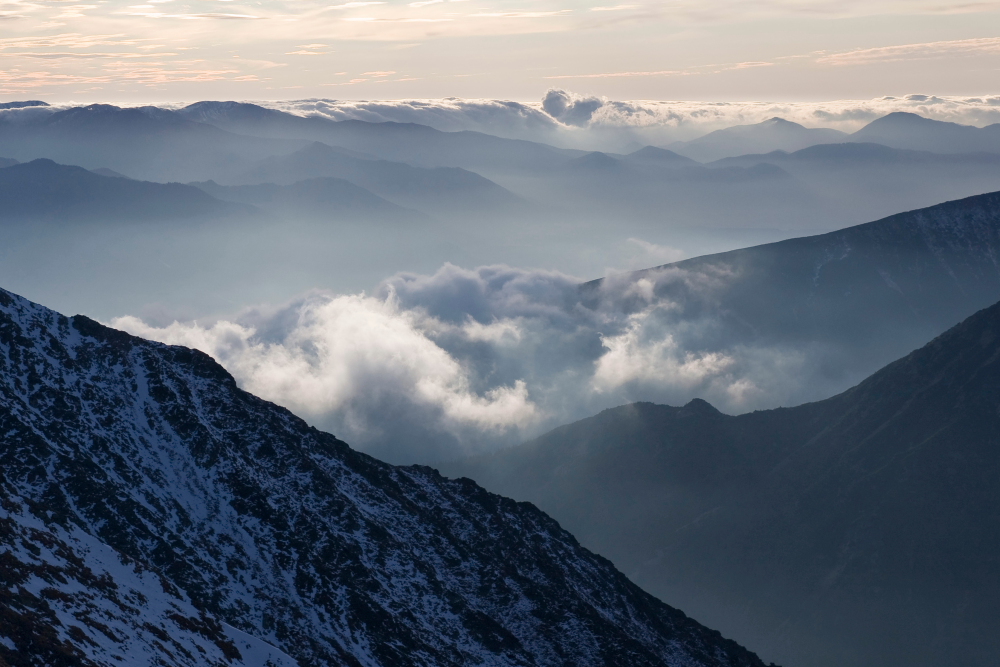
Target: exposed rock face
point(284, 532)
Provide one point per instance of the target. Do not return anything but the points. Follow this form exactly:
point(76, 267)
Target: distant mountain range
point(460, 174)
point(663, 190)
point(316, 199)
point(866, 179)
point(142, 142)
point(44, 190)
point(914, 132)
point(145, 502)
point(901, 129)
point(859, 531)
point(445, 191)
point(769, 135)
point(402, 142)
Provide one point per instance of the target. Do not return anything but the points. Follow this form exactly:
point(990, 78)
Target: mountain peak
point(908, 117)
point(596, 160)
point(659, 155)
point(209, 112)
point(778, 121)
point(698, 406)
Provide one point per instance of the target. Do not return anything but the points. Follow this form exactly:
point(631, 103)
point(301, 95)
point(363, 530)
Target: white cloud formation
point(344, 350)
point(432, 366)
point(570, 119)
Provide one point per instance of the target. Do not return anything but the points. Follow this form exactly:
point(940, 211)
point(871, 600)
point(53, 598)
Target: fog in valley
point(418, 291)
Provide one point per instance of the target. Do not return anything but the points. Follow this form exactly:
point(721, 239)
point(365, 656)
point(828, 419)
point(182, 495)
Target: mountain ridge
point(286, 533)
point(856, 530)
point(45, 190)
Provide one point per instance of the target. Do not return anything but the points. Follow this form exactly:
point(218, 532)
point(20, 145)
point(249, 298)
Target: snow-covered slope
point(68, 599)
point(287, 534)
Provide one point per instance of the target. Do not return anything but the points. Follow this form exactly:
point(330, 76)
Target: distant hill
point(316, 199)
point(406, 142)
point(104, 171)
point(145, 142)
point(667, 190)
point(445, 191)
point(21, 105)
point(871, 180)
point(859, 531)
point(44, 190)
point(651, 155)
point(769, 135)
point(900, 129)
point(911, 131)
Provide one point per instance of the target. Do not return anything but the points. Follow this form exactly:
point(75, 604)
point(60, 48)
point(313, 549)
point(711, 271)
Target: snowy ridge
point(288, 535)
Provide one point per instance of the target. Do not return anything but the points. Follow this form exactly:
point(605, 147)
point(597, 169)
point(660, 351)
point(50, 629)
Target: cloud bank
point(597, 123)
point(570, 119)
point(430, 367)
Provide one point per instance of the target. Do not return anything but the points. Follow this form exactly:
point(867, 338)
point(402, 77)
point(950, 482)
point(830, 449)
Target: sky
point(793, 50)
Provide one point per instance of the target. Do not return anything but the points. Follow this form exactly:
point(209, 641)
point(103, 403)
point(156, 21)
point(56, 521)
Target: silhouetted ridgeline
point(857, 531)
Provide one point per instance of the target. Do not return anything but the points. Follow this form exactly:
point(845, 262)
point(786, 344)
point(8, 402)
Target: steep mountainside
point(853, 300)
point(856, 531)
point(289, 535)
point(44, 190)
point(66, 600)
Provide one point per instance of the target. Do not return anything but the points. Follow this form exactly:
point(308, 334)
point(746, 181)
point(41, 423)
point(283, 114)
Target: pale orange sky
point(113, 51)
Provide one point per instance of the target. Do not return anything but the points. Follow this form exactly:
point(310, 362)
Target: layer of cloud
point(433, 366)
point(561, 117)
point(568, 118)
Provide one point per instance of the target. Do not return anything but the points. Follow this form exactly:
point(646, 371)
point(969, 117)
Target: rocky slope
point(856, 531)
point(284, 532)
point(67, 599)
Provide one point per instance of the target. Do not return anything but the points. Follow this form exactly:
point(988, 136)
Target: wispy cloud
point(920, 51)
point(67, 40)
point(193, 17)
point(374, 19)
point(65, 55)
point(607, 75)
point(353, 5)
point(521, 15)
